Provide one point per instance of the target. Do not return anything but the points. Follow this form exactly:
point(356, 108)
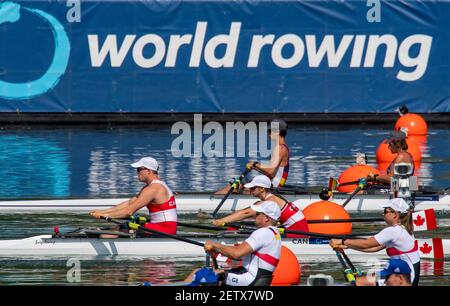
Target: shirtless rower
point(155, 195)
point(397, 145)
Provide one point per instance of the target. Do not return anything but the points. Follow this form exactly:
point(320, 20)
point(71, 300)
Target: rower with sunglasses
point(291, 216)
point(155, 195)
point(398, 240)
point(260, 252)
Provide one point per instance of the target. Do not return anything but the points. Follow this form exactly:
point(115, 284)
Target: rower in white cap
point(260, 252)
point(155, 195)
point(398, 240)
point(291, 216)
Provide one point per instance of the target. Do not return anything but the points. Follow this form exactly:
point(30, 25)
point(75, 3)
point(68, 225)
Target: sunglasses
point(140, 169)
point(387, 211)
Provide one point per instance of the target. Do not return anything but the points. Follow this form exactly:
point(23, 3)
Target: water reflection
point(116, 271)
point(32, 163)
point(95, 162)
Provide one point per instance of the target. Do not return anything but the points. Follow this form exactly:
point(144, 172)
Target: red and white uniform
point(280, 177)
point(266, 245)
point(292, 219)
point(402, 245)
point(163, 217)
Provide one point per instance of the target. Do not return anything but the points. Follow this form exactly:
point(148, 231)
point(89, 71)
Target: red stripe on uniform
point(267, 258)
point(394, 251)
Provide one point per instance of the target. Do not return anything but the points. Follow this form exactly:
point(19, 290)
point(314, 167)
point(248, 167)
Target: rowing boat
point(207, 202)
point(49, 245)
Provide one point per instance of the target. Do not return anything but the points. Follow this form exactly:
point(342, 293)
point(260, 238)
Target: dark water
point(94, 162)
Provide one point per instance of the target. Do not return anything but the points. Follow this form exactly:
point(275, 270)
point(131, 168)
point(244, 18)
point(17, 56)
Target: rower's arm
point(146, 196)
point(362, 244)
point(118, 206)
point(384, 178)
point(235, 252)
point(275, 162)
point(236, 216)
point(374, 249)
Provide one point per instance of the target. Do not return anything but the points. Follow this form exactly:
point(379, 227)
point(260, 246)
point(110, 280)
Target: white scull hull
point(45, 245)
point(193, 202)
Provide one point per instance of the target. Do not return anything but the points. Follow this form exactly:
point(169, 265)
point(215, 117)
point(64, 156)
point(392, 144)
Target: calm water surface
point(62, 162)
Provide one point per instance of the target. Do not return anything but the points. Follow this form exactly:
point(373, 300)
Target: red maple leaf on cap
point(426, 249)
point(419, 221)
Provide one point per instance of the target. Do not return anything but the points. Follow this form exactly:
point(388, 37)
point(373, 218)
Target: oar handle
point(144, 229)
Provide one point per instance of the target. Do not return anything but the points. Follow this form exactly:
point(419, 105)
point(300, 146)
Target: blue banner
point(222, 56)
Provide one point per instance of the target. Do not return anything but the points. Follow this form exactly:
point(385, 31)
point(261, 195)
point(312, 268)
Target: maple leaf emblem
point(426, 249)
point(419, 221)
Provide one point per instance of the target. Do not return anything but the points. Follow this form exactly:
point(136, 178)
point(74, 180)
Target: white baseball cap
point(269, 208)
point(397, 204)
point(259, 181)
point(147, 162)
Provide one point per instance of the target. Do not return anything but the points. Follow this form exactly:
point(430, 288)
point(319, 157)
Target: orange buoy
point(414, 124)
point(287, 272)
point(326, 210)
point(420, 141)
point(384, 155)
point(354, 173)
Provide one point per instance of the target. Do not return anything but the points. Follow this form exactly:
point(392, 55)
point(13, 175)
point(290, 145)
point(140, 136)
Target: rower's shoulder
point(404, 157)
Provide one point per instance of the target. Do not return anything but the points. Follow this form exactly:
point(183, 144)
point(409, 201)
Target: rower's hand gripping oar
point(234, 186)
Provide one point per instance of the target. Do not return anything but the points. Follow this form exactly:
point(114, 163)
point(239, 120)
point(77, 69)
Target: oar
point(334, 183)
point(244, 226)
point(201, 226)
point(349, 276)
point(354, 270)
point(234, 185)
point(353, 220)
point(361, 184)
point(311, 234)
point(136, 226)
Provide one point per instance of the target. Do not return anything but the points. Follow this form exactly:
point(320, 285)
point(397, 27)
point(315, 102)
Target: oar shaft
point(346, 220)
point(139, 227)
point(222, 201)
point(349, 262)
point(233, 186)
point(349, 183)
point(310, 234)
point(348, 276)
point(351, 196)
point(201, 226)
